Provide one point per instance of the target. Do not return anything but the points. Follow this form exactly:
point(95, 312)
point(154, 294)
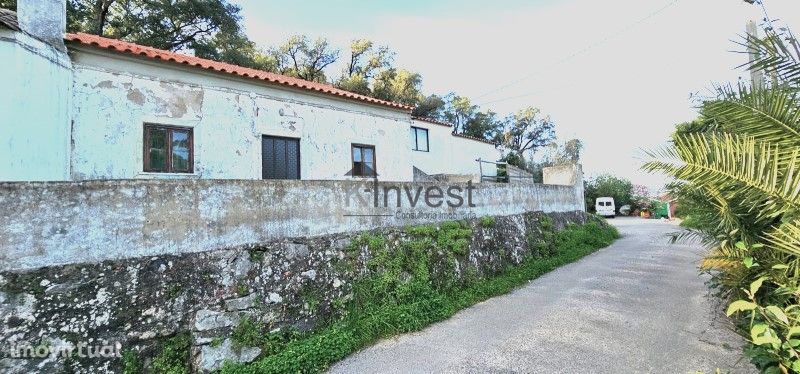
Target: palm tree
point(744, 161)
point(738, 168)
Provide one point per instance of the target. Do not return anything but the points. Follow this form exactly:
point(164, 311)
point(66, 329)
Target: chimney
point(46, 20)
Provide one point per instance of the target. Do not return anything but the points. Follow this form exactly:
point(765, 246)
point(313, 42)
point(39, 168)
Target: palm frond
point(740, 167)
point(785, 238)
point(770, 115)
point(691, 236)
point(717, 260)
point(776, 55)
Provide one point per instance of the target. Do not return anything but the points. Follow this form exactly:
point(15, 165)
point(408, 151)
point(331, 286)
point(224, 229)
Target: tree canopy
point(607, 185)
point(164, 24)
point(527, 130)
point(303, 58)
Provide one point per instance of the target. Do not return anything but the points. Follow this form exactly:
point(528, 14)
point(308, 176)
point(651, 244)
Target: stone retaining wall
point(138, 304)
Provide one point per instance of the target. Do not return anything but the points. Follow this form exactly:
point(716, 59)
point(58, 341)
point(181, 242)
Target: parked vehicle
point(604, 206)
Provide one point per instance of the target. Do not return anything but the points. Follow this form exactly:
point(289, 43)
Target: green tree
point(483, 125)
point(527, 131)
point(571, 151)
point(164, 24)
point(458, 111)
point(366, 62)
point(430, 107)
point(210, 28)
point(8, 4)
point(303, 58)
point(398, 85)
point(236, 49)
point(607, 185)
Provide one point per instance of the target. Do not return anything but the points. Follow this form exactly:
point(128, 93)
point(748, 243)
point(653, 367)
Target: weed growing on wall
point(252, 334)
point(402, 292)
point(131, 363)
point(174, 356)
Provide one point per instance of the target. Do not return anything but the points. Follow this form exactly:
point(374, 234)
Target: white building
point(83, 107)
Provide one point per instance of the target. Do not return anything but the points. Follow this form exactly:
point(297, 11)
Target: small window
point(419, 139)
point(168, 149)
point(280, 157)
point(363, 160)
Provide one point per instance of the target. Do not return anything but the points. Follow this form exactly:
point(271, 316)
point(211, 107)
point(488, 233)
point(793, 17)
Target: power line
point(527, 94)
point(577, 53)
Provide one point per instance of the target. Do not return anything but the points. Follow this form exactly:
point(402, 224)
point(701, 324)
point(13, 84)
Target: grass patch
point(488, 221)
point(399, 294)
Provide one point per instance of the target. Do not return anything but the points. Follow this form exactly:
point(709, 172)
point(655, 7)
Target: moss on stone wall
point(292, 305)
point(403, 292)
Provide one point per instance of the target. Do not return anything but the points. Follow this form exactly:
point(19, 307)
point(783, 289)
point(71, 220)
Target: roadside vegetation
point(400, 292)
point(636, 197)
point(738, 182)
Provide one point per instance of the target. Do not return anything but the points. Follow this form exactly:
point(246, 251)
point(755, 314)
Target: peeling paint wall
point(54, 223)
point(449, 154)
point(35, 120)
point(115, 95)
point(88, 109)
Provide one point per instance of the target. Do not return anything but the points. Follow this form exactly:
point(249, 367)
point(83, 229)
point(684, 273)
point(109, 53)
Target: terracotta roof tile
point(431, 120)
point(160, 54)
point(442, 123)
point(476, 139)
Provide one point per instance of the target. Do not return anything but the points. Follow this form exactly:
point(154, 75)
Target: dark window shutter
point(280, 158)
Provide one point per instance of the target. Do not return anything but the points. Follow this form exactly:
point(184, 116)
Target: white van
point(605, 206)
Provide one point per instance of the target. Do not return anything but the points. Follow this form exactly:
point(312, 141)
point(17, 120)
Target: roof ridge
point(169, 56)
point(431, 120)
point(8, 18)
point(474, 138)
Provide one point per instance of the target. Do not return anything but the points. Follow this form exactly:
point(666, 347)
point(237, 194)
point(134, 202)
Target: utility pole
point(756, 75)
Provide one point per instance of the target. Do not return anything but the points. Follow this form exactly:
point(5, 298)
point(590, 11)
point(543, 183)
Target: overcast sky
point(617, 74)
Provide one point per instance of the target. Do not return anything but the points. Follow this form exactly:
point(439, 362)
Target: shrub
point(402, 297)
point(738, 168)
point(174, 356)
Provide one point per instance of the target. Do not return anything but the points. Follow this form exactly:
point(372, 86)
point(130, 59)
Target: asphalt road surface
point(638, 306)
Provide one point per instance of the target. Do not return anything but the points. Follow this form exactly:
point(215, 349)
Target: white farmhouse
point(82, 107)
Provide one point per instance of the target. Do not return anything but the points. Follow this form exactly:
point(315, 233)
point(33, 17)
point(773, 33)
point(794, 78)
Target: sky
point(617, 74)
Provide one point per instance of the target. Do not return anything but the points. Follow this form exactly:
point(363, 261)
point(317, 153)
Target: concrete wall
point(71, 222)
point(114, 95)
point(450, 154)
point(566, 175)
point(35, 115)
point(517, 175)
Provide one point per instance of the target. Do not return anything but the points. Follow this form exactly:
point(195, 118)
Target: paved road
point(638, 306)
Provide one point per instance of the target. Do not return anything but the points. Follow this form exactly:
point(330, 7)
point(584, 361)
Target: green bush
point(399, 294)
